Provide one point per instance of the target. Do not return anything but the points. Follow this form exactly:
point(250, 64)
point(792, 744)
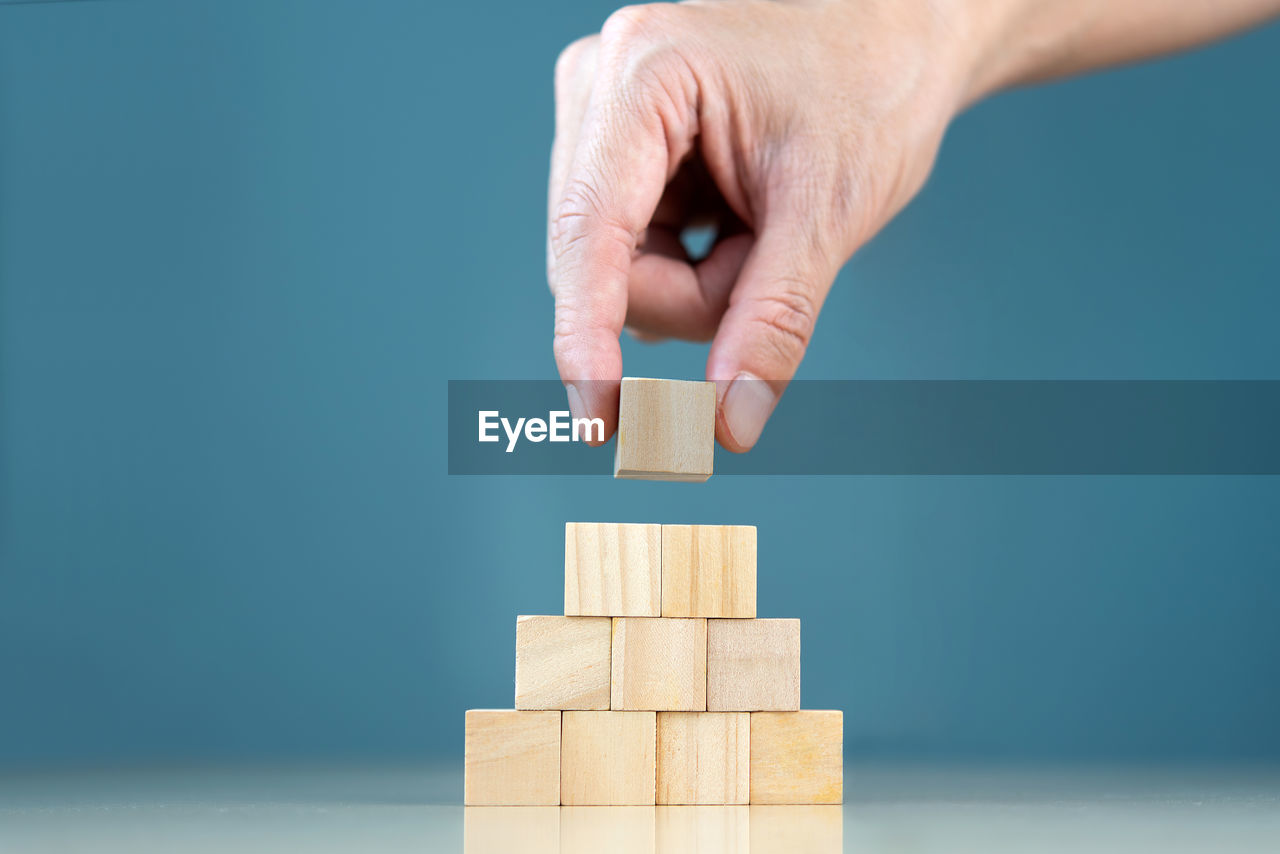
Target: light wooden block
point(666, 430)
point(562, 662)
point(499, 830)
point(606, 830)
point(512, 758)
point(704, 830)
point(704, 757)
point(797, 829)
point(612, 570)
point(797, 757)
point(659, 664)
point(753, 665)
point(708, 571)
point(608, 758)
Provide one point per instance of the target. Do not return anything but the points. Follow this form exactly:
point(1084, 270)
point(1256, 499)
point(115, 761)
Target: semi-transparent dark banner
point(914, 427)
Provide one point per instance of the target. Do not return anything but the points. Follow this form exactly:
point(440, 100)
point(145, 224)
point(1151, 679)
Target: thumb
point(764, 333)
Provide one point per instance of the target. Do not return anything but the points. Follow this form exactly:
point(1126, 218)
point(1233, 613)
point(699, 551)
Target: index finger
point(610, 192)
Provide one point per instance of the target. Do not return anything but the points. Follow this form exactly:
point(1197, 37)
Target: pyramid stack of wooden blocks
point(658, 685)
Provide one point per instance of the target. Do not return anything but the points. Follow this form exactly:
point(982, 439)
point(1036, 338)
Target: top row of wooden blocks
point(639, 570)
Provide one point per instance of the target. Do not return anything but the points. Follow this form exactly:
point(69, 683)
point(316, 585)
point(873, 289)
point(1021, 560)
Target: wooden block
point(666, 430)
point(562, 662)
point(605, 830)
point(500, 830)
point(704, 830)
point(704, 757)
point(753, 665)
point(797, 757)
point(796, 829)
point(608, 758)
point(512, 758)
point(612, 570)
point(708, 571)
point(659, 664)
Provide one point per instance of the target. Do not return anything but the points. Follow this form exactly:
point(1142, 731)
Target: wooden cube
point(659, 664)
point(704, 757)
point(666, 430)
point(752, 665)
point(797, 757)
point(612, 570)
point(562, 662)
point(529, 830)
point(706, 830)
point(608, 758)
point(797, 829)
point(708, 571)
point(512, 758)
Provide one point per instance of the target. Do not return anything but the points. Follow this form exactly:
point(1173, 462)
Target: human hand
point(798, 129)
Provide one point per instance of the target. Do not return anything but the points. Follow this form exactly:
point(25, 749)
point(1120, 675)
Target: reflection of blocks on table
point(562, 662)
point(659, 664)
point(620, 706)
point(708, 571)
point(796, 828)
point(612, 570)
point(797, 757)
point(703, 757)
point(529, 830)
point(666, 430)
point(753, 665)
point(512, 758)
point(608, 758)
point(712, 829)
point(605, 830)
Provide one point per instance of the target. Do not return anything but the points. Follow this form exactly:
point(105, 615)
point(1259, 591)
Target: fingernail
point(576, 407)
point(747, 406)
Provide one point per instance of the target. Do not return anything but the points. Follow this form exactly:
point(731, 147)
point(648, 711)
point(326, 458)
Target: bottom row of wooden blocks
point(579, 758)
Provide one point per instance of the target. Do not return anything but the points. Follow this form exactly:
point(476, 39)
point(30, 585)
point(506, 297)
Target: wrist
point(949, 48)
point(998, 51)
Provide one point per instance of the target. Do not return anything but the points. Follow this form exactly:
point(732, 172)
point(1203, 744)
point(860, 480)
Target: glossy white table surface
point(908, 808)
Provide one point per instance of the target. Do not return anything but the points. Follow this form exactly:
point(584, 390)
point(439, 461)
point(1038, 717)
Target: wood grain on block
point(612, 569)
point(605, 830)
point(659, 664)
point(708, 571)
point(704, 757)
point(512, 758)
point(666, 430)
point(608, 758)
point(796, 828)
point(562, 662)
point(753, 665)
point(705, 830)
point(797, 757)
point(529, 830)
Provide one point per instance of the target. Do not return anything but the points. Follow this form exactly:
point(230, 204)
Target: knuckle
point(582, 213)
point(786, 320)
point(573, 58)
point(634, 22)
point(563, 343)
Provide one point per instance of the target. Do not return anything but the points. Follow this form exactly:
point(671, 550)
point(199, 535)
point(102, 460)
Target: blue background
point(244, 244)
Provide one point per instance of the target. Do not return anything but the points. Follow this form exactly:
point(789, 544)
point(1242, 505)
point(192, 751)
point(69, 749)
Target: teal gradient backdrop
point(244, 244)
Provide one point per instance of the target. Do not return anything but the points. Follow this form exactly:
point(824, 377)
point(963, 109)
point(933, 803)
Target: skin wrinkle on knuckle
point(580, 215)
point(786, 319)
point(573, 325)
